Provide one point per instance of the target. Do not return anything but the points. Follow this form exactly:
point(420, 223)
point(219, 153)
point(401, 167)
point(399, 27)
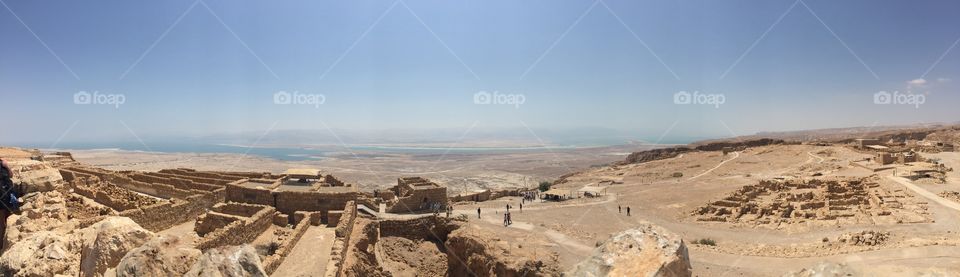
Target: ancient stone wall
point(240, 231)
point(342, 232)
point(289, 202)
point(270, 263)
point(419, 200)
point(235, 193)
point(430, 228)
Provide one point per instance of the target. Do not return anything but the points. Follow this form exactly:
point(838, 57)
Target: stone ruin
point(814, 201)
point(414, 194)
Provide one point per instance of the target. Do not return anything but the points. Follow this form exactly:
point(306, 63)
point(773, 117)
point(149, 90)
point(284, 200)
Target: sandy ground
point(371, 170)
point(653, 195)
point(309, 257)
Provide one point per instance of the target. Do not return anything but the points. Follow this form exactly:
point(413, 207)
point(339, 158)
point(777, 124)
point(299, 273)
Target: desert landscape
point(884, 204)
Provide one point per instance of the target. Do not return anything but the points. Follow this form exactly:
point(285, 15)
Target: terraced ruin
point(814, 202)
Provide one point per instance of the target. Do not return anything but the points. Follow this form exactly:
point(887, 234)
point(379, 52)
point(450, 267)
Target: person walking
point(521, 206)
point(619, 209)
point(478, 212)
point(628, 210)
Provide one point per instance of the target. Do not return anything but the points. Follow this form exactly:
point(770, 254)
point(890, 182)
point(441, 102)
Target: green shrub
point(709, 242)
point(544, 186)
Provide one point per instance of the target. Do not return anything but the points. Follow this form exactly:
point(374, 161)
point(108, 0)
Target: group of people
point(620, 209)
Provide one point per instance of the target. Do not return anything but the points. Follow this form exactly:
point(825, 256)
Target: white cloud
point(917, 83)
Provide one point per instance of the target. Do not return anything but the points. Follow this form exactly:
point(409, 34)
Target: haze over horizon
point(610, 69)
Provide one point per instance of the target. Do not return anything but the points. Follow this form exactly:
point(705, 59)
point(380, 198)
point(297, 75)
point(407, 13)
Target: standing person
point(478, 212)
point(8, 198)
point(506, 219)
point(628, 210)
point(619, 209)
point(521, 206)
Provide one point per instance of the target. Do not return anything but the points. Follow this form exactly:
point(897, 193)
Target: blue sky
point(190, 68)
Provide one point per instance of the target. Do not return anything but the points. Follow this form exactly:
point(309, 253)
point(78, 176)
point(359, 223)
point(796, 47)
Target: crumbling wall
point(342, 232)
point(272, 262)
point(289, 202)
point(240, 231)
point(235, 193)
point(360, 259)
point(419, 200)
point(430, 228)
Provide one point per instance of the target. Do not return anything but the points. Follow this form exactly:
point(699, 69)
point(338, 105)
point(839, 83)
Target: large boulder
point(162, 256)
point(645, 251)
point(107, 241)
point(229, 261)
point(58, 251)
point(43, 253)
point(35, 176)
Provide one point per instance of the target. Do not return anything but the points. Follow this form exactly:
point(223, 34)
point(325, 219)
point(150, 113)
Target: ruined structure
point(817, 201)
point(415, 194)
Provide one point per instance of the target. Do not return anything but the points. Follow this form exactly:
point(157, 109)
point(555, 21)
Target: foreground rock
point(162, 256)
point(43, 253)
point(106, 242)
point(645, 251)
point(35, 176)
point(477, 252)
point(51, 252)
point(229, 262)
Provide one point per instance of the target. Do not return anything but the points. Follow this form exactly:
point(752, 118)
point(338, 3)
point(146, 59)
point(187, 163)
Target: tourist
point(628, 210)
point(478, 212)
point(521, 206)
point(7, 197)
point(619, 209)
point(506, 220)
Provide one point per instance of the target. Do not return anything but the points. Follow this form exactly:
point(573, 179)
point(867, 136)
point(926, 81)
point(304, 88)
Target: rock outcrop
point(645, 251)
point(35, 176)
point(106, 242)
point(825, 269)
point(655, 154)
point(230, 261)
point(475, 252)
point(670, 152)
point(161, 256)
point(58, 251)
point(43, 253)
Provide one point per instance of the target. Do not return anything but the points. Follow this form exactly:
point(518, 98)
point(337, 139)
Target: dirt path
point(737, 155)
point(925, 193)
point(815, 156)
point(309, 257)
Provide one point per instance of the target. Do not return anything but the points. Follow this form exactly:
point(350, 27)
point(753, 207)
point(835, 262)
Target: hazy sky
point(194, 68)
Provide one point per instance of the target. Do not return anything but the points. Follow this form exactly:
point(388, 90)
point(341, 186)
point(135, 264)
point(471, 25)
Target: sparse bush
point(545, 186)
point(709, 242)
point(677, 174)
